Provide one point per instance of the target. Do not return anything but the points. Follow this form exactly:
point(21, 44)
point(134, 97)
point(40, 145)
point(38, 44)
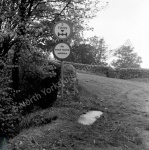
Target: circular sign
point(61, 51)
point(62, 30)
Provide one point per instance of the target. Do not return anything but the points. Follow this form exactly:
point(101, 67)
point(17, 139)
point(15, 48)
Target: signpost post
point(62, 30)
point(62, 79)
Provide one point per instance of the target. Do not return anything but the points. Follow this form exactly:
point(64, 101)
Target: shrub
point(69, 70)
point(37, 74)
point(9, 114)
point(70, 80)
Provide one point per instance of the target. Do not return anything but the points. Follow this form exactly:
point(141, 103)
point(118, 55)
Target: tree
point(27, 25)
point(34, 19)
point(91, 50)
point(100, 50)
point(126, 58)
point(83, 53)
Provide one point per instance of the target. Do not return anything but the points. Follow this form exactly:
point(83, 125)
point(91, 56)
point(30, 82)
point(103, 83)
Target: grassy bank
point(57, 128)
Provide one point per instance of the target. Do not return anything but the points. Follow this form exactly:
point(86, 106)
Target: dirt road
point(129, 97)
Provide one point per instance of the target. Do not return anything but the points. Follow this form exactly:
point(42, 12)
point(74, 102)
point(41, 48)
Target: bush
point(69, 70)
point(9, 114)
point(69, 86)
point(70, 79)
point(37, 74)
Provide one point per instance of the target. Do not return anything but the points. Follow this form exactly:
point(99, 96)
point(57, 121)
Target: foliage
point(69, 71)
point(83, 53)
point(35, 19)
point(70, 79)
point(9, 113)
point(126, 58)
point(129, 73)
point(36, 74)
point(91, 50)
point(26, 25)
point(100, 50)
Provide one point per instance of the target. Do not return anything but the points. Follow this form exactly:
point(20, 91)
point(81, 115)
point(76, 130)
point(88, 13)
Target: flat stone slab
point(90, 117)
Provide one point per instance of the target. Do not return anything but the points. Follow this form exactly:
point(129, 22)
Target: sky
point(124, 21)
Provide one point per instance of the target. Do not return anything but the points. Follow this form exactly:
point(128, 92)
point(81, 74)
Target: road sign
point(62, 30)
point(61, 51)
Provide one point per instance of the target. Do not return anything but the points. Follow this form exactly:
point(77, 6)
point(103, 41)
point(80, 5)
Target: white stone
point(90, 117)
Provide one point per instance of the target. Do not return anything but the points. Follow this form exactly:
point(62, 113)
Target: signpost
point(62, 30)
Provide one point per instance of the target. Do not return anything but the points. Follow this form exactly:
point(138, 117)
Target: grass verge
point(57, 128)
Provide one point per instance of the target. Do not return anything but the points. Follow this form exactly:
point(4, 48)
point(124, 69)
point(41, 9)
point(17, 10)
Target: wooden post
point(62, 76)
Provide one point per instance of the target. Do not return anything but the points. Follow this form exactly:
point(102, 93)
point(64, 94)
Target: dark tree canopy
point(91, 51)
point(26, 25)
point(100, 50)
point(83, 53)
point(34, 20)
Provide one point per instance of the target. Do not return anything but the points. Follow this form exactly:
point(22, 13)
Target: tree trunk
point(18, 46)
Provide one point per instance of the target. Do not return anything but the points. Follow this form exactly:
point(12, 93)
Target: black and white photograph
point(74, 75)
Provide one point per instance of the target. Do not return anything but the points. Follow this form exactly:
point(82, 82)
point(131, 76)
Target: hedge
point(98, 69)
point(121, 73)
point(129, 73)
point(9, 114)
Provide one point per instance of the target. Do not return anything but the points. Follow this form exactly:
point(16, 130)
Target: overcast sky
point(123, 21)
